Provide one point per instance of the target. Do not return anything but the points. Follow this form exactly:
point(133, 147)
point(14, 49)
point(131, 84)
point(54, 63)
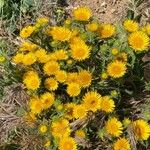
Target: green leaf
point(20, 112)
point(2, 3)
point(130, 14)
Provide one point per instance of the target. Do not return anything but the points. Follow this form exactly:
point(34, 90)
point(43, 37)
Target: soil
point(106, 10)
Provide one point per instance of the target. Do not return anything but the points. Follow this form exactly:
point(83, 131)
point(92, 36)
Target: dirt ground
point(105, 10)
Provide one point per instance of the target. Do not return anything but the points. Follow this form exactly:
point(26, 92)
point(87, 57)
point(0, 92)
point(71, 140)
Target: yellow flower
point(68, 21)
point(92, 101)
point(84, 78)
point(59, 107)
point(35, 106)
point(67, 144)
point(122, 57)
point(114, 127)
point(27, 46)
point(47, 143)
point(47, 100)
point(30, 118)
point(130, 25)
point(29, 59)
point(82, 14)
point(114, 93)
point(122, 144)
point(80, 133)
point(141, 129)
point(61, 54)
point(2, 58)
point(79, 111)
point(104, 75)
point(52, 56)
point(92, 26)
point(60, 128)
point(31, 80)
point(77, 40)
point(116, 69)
point(114, 51)
point(51, 67)
point(27, 31)
point(61, 76)
point(72, 77)
point(51, 84)
point(79, 51)
point(60, 33)
point(18, 58)
point(73, 89)
point(69, 62)
point(41, 55)
point(139, 41)
point(126, 122)
point(107, 104)
point(106, 30)
point(43, 129)
point(42, 21)
point(147, 27)
point(69, 110)
point(75, 32)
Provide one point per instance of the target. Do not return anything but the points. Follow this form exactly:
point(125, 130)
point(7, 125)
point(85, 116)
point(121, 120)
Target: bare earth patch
point(105, 10)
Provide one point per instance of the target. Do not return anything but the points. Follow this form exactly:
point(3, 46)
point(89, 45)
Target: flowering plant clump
point(80, 76)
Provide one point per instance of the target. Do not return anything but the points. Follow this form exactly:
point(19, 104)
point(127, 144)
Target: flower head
point(114, 127)
point(92, 101)
point(51, 84)
point(47, 100)
point(107, 104)
point(126, 122)
point(29, 59)
point(80, 133)
point(27, 46)
point(61, 54)
point(41, 55)
point(60, 128)
point(47, 143)
point(122, 57)
point(61, 76)
point(67, 144)
point(139, 41)
point(72, 77)
point(147, 27)
point(116, 69)
point(122, 144)
point(42, 21)
point(141, 129)
point(130, 25)
point(104, 75)
point(92, 26)
point(80, 51)
point(106, 30)
point(18, 58)
point(69, 107)
point(27, 31)
point(31, 80)
point(73, 89)
point(60, 33)
point(114, 51)
point(82, 13)
point(51, 67)
point(79, 111)
point(35, 105)
point(84, 78)
point(30, 118)
point(43, 129)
